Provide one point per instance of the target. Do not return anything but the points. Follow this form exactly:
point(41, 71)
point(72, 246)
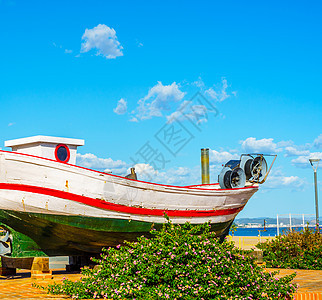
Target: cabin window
point(62, 153)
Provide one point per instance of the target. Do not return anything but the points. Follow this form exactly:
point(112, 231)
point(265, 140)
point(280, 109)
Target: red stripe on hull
point(117, 207)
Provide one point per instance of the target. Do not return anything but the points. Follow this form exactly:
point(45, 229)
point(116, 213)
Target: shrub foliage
point(294, 250)
point(178, 262)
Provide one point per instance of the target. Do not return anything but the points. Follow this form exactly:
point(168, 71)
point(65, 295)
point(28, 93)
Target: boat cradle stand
point(38, 266)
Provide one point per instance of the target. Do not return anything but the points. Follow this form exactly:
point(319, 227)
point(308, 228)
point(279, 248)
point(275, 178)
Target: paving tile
point(20, 286)
point(308, 280)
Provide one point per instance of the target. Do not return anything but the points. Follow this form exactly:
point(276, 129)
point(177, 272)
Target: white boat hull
point(35, 186)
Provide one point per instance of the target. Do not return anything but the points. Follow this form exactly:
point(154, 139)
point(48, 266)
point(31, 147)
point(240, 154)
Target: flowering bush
point(294, 250)
point(178, 262)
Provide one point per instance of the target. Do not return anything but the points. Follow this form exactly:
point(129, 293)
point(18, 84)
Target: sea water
point(270, 231)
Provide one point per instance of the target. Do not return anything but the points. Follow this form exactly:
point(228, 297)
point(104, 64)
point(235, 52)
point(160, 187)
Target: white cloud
point(145, 172)
point(286, 181)
point(138, 43)
point(104, 39)
point(91, 161)
point(303, 161)
point(294, 151)
point(277, 180)
point(169, 98)
point(11, 124)
point(221, 157)
point(176, 116)
point(222, 94)
point(196, 113)
point(285, 144)
point(318, 142)
point(174, 176)
point(291, 182)
point(181, 176)
point(212, 93)
point(121, 107)
point(199, 83)
point(67, 51)
point(134, 119)
point(159, 98)
point(301, 153)
point(57, 46)
point(265, 146)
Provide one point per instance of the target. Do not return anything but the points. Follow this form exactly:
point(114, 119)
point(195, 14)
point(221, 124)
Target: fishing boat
point(54, 206)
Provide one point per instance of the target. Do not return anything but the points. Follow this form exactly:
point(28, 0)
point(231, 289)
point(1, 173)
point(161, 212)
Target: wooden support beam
point(39, 266)
point(7, 271)
point(17, 263)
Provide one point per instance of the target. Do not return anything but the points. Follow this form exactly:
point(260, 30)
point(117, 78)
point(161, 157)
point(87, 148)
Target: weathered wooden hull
point(72, 235)
point(69, 210)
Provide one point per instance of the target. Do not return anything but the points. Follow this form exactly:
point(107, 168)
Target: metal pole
point(205, 178)
point(316, 160)
point(316, 200)
point(278, 228)
point(290, 222)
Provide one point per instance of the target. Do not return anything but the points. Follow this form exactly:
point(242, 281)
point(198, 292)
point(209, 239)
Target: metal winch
point(249, 168)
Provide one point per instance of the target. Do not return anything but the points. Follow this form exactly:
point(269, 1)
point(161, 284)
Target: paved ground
point(20, 286)
point(309, 280)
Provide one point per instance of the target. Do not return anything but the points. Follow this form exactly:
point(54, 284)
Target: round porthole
point(62, 153)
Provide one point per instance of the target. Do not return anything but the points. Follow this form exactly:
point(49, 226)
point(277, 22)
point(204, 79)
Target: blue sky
point(118, 73)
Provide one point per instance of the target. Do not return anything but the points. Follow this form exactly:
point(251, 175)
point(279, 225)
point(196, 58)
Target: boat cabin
point(57, 148)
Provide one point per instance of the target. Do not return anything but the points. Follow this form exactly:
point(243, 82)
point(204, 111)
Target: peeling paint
point(23, 204)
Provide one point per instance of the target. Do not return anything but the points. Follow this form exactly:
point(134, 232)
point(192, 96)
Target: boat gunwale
point(190, 187)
